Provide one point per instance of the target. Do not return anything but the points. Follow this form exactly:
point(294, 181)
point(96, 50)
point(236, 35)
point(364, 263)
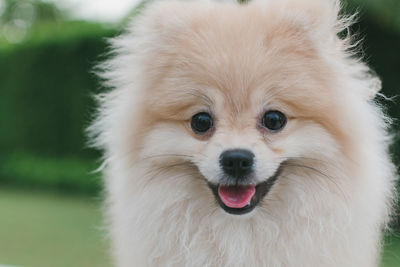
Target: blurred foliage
point(384, 12)
point(31, 11)
point(68, 31)
point(46, 102)
point(19, 17)
point(62, 173)
point(46, 91)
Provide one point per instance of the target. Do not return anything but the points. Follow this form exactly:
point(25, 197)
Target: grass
point(391, 256)
point(48, 230)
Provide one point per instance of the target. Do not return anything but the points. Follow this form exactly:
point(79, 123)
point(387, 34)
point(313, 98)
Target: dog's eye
point(274, 120)
point(201, 122)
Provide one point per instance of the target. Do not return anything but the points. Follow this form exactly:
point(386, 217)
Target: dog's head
point(239, 96)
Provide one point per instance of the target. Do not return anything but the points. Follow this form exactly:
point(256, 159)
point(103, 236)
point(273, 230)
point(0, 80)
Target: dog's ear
point(165, 19)
point(324, 16)
point(330, 28)
point(153, 35)
point(321, 18)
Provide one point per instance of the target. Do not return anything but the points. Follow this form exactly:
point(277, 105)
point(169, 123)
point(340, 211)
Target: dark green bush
point(46, 88)
point(67, 174)
point(45, 96)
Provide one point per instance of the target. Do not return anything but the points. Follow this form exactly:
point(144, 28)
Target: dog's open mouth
point(242, 199)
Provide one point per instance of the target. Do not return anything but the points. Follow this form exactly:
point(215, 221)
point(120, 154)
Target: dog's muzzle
point(236, 193)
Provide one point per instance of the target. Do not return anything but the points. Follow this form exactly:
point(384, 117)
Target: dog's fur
point(333, 198)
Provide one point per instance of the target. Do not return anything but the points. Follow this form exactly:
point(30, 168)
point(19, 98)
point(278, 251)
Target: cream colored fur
point(330, 204)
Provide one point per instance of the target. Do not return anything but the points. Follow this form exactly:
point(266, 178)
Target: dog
point(243, 134)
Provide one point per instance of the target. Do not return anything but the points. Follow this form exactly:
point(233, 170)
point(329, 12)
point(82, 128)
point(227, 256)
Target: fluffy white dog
point(243, 135)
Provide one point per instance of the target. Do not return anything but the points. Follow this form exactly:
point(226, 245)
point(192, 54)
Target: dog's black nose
point(237, 163)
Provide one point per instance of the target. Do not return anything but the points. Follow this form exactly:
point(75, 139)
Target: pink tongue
point(236, 196)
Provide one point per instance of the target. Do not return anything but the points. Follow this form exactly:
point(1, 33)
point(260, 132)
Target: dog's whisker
point(167, 155)
point(329, 178)
point(300, 185)
point(163, 169)
point(323, 162)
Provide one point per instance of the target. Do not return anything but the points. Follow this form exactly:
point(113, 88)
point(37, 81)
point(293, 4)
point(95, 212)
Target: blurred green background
point(50, 212)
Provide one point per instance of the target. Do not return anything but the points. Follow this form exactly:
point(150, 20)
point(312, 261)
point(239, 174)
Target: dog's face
point(241, 105)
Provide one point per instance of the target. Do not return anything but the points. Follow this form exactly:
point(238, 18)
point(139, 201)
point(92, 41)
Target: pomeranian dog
point(243, 135)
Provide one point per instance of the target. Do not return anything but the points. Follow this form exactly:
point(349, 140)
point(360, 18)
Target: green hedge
point(46, 88)
point(45, 96)
point(62, 173)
